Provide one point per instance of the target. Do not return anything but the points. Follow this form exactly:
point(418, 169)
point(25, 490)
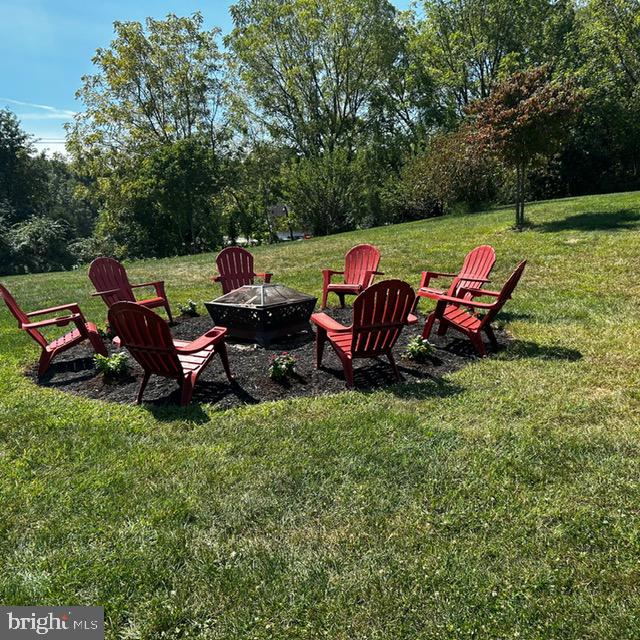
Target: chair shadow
point(522, 349)
point(379, 376)
point(209, 392)
point(84, 366)
point(621, 220)
point(511, 316)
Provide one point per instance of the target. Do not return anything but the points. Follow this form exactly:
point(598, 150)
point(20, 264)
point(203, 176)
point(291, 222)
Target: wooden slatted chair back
point(21, 316)
point(358, 261)
point(147, 337)
point(107, 274)
point(379, 313)
point(478, 264)
point(505, 294)
point(235, 266)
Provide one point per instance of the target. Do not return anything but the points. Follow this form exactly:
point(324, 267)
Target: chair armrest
point(461, 301)
point(216, 278)
point(331, 272)
point(156, 284)
point(427, 276)
point(412, 318)
point(73, 307)
point(480, 292)
point(62, 321)
point(104, 293)
point(369, 276)
point(327, 323)
point(213, 336)
point(265, 276)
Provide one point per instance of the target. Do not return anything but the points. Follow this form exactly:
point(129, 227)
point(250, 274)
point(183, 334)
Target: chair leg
point(394, 366)
point(187, 390)
point(97, 344)
point(167, 308)
point(45, 360)
point(341, 296)
point(492, 336)
point(222, 350)
point(347, 365)
point(476, 340)
point(428, 325)
point(143, 386)
point(442, 327)
point(325, 293)
point(321, 338)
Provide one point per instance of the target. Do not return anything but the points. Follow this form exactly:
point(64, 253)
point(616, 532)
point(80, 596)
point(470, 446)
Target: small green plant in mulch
point(282, 366)
point(190, 308)
point(419, 349)
point(113, 368)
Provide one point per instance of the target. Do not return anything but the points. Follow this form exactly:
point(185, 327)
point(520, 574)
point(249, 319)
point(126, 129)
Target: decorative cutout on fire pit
point(262, 312)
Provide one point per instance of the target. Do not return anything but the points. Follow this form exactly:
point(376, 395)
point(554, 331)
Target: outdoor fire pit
point(262, 312)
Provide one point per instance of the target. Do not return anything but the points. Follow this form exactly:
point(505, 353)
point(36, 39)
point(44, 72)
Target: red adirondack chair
point(379, 314)
point(84, 330)
point(360, 267)
point(235, 266)
point(112, 284)
point(462, 313)
point(475, 271)
point(147, 337)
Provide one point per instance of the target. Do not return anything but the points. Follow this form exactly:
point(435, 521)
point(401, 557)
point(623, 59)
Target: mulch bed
point(74, 371)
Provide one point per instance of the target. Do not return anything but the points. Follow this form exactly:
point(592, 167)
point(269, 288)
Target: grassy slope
point(500, 502)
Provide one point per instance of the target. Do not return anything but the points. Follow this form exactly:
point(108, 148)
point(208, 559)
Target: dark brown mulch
point(74, 372)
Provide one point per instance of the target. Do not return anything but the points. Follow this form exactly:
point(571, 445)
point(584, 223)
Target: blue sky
point(47, 45)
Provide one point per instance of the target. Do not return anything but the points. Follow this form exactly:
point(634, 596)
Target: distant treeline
point(352, 113)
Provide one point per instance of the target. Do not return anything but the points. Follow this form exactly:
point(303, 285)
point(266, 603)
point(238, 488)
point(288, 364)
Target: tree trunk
point(521, 170)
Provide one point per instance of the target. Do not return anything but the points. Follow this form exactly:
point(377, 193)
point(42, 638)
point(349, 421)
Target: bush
point(190, 308)
point(419, 349)
point(113, 367)
point(326, 192)
point(449, 172)
point(39, 244)
point(282, 366)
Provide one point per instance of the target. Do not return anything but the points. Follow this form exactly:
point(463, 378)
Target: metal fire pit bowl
point(262, 312)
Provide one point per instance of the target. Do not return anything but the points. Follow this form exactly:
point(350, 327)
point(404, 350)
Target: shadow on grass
point(513, 316)
point(521, 349)
point(621, 220)
point(429, 387)
point(168, 408)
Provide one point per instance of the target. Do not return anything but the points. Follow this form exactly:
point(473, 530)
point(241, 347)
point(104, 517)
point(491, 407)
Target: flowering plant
point(419, 349)
point(282, 366)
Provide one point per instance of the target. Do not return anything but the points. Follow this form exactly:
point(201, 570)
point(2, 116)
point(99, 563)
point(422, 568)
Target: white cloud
point(48, 112)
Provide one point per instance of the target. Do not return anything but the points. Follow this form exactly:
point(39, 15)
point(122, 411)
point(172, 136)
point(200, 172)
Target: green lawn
point(502, 501)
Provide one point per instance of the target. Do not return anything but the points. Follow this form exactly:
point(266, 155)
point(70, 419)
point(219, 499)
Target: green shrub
point(419, 349)
point(282, 366)
point(190, 308)
point(113, 367)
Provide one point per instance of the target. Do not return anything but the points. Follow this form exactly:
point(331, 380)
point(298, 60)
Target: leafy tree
point(151, 136)
point(469, 44)
point(164, 205)
point(21, 181)
point(39, 244)
point(525, 117)
point(156, 83)
point(450, 171)
point(311, 67)
point(326, 192)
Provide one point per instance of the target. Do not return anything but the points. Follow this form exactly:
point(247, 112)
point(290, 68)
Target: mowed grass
point(499, 502)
